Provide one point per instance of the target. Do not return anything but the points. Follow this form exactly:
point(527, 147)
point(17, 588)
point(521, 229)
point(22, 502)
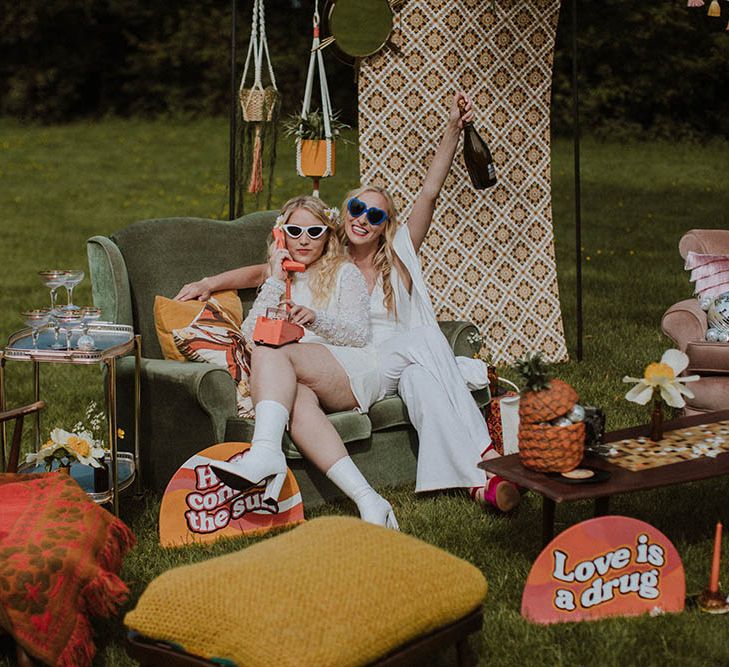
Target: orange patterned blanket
point(59, 558)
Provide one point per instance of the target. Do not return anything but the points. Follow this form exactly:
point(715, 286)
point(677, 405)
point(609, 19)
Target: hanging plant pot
point(314, 157)
point(258, 104)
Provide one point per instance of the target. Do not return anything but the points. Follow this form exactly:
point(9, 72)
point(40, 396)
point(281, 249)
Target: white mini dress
point(343, 326)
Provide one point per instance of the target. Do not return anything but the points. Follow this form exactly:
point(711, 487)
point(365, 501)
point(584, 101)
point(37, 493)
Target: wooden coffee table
point(621, 480)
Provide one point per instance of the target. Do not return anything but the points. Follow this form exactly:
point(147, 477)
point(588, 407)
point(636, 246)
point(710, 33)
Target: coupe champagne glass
point(73, 278)
point(66, 320)
point(53, 279)
point(53, 321)
point(89, 315)
point(36, 319)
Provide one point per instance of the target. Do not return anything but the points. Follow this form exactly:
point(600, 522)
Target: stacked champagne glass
point(62, 317)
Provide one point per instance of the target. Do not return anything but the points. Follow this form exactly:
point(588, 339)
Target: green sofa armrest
point(109, 280)
point(457, 334)
point(185, 407)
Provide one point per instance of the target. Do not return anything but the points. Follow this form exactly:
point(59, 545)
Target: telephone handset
point(288, 264)
point(273, 329)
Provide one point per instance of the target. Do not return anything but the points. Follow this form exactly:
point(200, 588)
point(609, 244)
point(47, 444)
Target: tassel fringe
point(80, 650)
point(119, 540)
point(104, 594)
point(714, 8)
point(256, 183)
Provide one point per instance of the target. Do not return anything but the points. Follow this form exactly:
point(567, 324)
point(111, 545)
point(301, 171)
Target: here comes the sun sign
point(610, 566)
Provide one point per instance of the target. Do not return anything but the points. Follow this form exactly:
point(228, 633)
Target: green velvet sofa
point(189, 406)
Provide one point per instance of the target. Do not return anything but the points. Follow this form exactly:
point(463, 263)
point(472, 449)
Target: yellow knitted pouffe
point(334, 591)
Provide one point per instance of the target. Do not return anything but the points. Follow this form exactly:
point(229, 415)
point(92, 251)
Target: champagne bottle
point(477, 156)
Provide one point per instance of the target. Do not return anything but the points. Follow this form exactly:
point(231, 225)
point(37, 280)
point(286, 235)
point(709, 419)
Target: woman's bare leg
point(275, 373)
point(314, 435)
point(319, 442)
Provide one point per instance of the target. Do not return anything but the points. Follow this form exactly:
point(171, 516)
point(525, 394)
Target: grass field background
point(63, 184)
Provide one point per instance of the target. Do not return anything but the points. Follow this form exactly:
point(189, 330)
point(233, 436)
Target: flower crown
point(331, 214)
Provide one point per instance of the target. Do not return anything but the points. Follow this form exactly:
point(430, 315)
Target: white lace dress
point(343, 326)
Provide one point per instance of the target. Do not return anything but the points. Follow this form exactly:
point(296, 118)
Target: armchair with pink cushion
point(685, 323)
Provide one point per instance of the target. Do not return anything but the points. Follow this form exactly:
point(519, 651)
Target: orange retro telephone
point(275, 329)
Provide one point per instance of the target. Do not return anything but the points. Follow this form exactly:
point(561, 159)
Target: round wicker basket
point(547, 448)
point(258, 105)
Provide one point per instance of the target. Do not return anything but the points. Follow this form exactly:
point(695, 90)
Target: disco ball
point(718, 313)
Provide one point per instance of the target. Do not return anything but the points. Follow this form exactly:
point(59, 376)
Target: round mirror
point(360, 27)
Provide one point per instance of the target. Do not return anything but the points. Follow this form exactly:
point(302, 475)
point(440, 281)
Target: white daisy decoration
point(280, 220)
point(333, 215)
point(67, 447)
point(664, 376)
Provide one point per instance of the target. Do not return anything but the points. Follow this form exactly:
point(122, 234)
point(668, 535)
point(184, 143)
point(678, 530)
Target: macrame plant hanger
point(259, 110)
point(315, 157)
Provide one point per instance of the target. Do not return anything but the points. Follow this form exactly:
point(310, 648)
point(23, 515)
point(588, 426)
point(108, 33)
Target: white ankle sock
point(271, 420)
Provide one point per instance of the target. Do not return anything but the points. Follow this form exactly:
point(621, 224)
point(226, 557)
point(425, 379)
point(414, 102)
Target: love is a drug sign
point(609, 566)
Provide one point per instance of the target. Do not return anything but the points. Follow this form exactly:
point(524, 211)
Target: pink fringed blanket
point(59, 558)
point(709, 273)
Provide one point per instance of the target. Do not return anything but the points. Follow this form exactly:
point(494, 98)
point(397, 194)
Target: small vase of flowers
point(68, 448)
point(662, 376)
point(83, 445)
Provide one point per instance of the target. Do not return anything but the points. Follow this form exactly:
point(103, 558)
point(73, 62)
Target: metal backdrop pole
point(578, 207)
point(233, 103)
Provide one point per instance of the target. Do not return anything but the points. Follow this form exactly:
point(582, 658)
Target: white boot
point(372, 507)
point(264, 460)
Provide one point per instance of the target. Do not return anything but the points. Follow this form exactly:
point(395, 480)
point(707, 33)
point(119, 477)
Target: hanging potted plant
point(315, 151)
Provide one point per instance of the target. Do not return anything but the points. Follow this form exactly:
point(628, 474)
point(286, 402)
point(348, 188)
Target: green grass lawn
point(61, 185)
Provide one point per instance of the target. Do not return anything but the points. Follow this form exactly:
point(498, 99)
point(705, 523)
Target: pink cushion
point(710, 393)
point(705, 357)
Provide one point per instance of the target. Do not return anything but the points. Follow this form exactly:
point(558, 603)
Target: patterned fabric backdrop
point(489, 257)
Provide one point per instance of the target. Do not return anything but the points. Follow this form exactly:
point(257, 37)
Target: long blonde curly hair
point(322, 272)
point(385, 258)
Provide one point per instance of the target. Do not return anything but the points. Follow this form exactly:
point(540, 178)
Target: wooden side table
point(621, 480)
point(112, 341)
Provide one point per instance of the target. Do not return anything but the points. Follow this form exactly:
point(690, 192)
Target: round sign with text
point(198, 507)
point(608, 566)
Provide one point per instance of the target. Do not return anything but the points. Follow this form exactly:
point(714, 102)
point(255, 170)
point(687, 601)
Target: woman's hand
point(199, 290)
point(454, 117)
point(301, 314)
point(276, 261)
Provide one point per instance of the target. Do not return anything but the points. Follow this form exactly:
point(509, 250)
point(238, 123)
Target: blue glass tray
point(111, 340)
point(84, 475)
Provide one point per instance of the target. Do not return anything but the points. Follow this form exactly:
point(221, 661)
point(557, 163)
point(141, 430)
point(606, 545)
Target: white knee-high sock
point(371, 505)
point(346, 475)
point(271, 420)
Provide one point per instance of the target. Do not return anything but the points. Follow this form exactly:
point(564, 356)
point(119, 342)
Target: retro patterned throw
point(489, 257)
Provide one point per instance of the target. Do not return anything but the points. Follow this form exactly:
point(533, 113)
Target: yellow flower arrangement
point(67, 448)
point(663, 375)
point(81, 445)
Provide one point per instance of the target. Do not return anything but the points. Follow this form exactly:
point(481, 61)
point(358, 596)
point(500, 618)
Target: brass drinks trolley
point(111, 341)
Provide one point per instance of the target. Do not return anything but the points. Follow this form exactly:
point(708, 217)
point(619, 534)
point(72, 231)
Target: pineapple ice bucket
point(546, 446)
